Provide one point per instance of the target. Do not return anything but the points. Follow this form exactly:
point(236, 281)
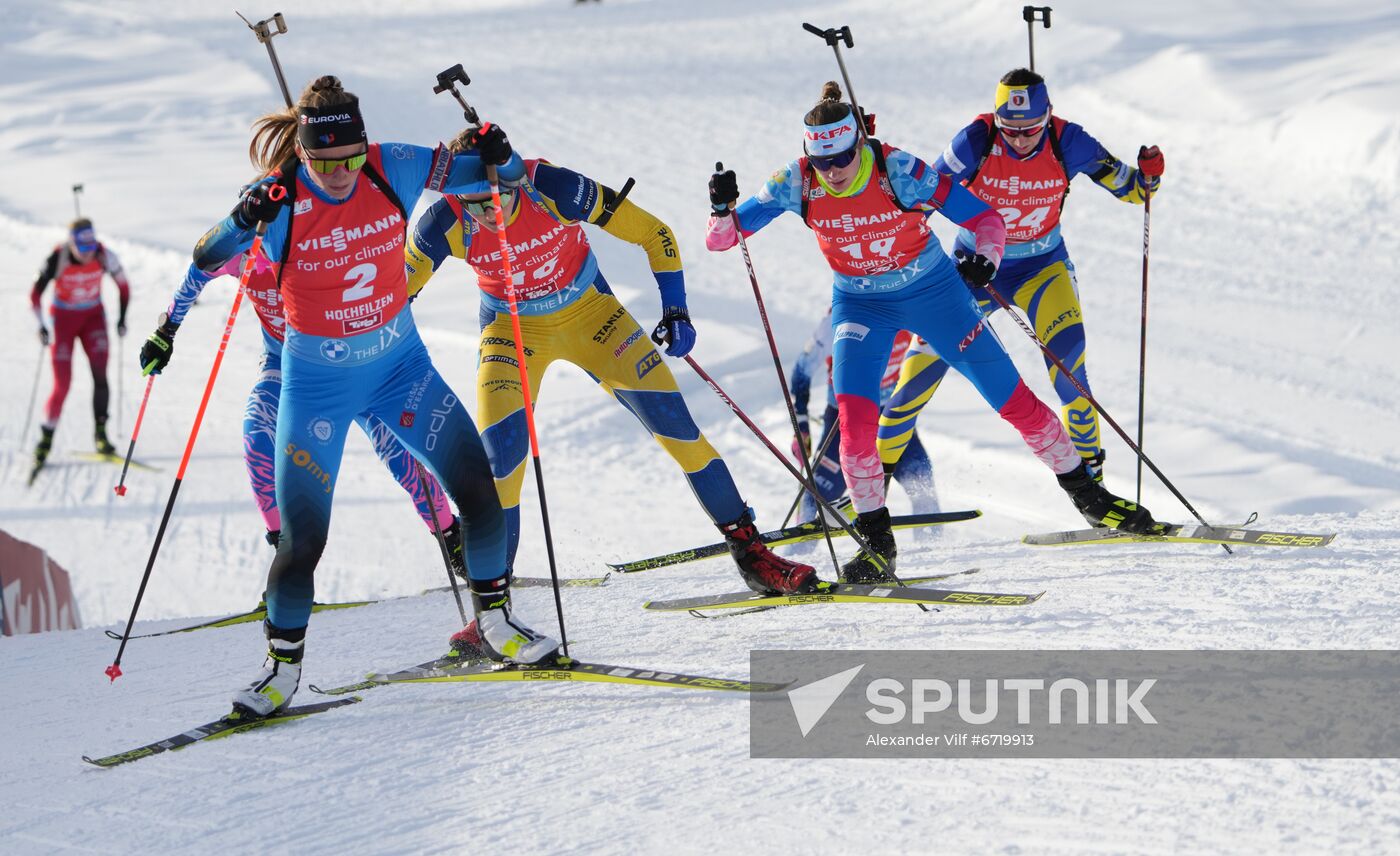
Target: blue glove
point(675, 331)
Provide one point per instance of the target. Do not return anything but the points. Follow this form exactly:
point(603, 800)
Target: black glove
point(260, 204)
point(675, 331)
point(155, 354)
point(490, 143)
point(43, 335)
point(977, 269)
point(724, 191)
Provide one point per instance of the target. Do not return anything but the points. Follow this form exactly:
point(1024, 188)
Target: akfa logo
point(335, 350)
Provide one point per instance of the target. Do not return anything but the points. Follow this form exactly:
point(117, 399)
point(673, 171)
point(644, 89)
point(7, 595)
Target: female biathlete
point(866, 202)
point(260, 416)
point(1020, 159)
point(335, 214)
point(76, 268)
point(913, 470)
point(568, 312)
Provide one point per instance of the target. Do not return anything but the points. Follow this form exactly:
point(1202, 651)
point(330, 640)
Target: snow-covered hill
point(1272, 380)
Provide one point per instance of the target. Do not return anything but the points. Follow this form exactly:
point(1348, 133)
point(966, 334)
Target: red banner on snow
point(36, 593)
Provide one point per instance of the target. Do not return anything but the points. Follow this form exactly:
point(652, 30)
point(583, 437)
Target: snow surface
point(1273, 387)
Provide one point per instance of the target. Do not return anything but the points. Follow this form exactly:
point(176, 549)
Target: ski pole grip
point(1031, 14)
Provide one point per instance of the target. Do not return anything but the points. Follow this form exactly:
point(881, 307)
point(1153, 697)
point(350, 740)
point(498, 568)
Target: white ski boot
point(277, 681)
point(505, 637)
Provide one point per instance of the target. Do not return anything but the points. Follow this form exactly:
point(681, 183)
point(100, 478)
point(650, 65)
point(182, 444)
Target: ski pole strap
point(612, 201)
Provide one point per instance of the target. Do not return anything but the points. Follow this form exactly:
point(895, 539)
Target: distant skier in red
point(75, 268)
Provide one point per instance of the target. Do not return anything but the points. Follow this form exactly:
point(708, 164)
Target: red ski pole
point(135, 432)
point(114, 671)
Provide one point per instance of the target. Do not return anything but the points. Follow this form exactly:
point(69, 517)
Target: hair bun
point(325, 82)
point(831, 91)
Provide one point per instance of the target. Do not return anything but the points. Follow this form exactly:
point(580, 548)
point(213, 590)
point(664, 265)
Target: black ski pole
point(835, 37)
point(114, 671)
point(265, 35)
point(1142, 347)
point(442, 542)
point(33, 395)
point(1088, 396)
point(812, 468)
point(778, 366)
point(1031, 14)
point(77, 195)
point(822, 504)
point(447, 81)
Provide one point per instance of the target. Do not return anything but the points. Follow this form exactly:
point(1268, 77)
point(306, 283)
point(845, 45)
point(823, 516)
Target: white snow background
point(1272, 387)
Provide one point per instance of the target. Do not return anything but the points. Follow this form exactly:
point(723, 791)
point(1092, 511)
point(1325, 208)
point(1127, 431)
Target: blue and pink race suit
point(260, 415)
point(891, 274)
point(352, 349)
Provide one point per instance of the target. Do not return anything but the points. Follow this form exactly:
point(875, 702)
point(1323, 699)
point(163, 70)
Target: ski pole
point(276, 193)
point(265, 35)
point(820, 453)
point(834, 37)
point(135, 432)
point(121, 361)
point(811, 488)
point(778, 366)
point(1142, 347)
point(1031, 14)
point(77, 208)
point(447, 81)
point(442, 542)
point(33, 395)
point(1088, 396)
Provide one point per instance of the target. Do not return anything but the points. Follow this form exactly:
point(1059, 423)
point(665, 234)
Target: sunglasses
point(485, 208)
point(1028, 131)
point(326, 166)
point(834, 161)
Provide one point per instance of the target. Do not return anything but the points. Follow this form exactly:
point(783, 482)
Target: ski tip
point(112, 634)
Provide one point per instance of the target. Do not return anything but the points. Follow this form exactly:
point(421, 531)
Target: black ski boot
point(1101, 508)
point(763, 570)
point(865, 568)
point(41, 451)
point(104, 446)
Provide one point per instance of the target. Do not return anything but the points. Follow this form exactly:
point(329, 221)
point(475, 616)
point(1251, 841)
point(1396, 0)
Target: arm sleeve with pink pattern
point(990, 231)
point(720, 235)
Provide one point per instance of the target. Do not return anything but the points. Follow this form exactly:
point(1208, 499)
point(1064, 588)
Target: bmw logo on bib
point(335, 350)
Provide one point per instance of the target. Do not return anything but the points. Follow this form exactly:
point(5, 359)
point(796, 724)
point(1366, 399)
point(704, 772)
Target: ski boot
point(104, 446)
point(764, 571)
point(277, 681)
point(41, 451)
point(865, 568)
point(498, 634)
point(452, 537)
point(1101, 508)
point(1095, 464)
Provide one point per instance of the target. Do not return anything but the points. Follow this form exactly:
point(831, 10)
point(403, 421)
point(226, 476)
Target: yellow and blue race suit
point(1036, 272)
point(568, 312)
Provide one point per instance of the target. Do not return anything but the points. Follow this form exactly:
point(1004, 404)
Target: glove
point(155, 354)
point(724, 191)
point(260, 204)
point(1150, 162)
point(802, 443)
point(490, 143)
point(43, 335)
point(675, 331)
point(977, 269)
